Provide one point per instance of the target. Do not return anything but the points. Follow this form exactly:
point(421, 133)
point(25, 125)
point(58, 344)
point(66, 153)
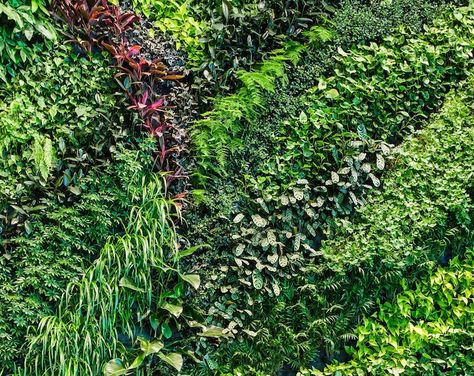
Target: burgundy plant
point(97, 24)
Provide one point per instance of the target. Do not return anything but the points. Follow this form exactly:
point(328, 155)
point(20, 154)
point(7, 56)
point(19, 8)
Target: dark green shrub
point(35, 267)
point(67, 166)
point(59, 119)
point(422, 216)
point(361, 21)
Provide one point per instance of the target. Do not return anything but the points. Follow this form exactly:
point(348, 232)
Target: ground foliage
point(67, 162)
point(322, 93)
point(96, 328)
point(54, 130)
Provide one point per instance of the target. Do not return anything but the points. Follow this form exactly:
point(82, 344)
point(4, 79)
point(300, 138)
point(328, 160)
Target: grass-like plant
point(101, 317)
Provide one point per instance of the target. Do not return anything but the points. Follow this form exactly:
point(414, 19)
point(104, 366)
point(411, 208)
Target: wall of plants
point(234, 187)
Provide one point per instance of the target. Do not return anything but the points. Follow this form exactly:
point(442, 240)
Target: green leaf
point(257, 280)
point(322, 84)
point(82, 110)
point(173, 359)
point(175, 310)
point(137, 362)
point(193, 279)
point(189, 251)
point(46, 32)
point(149, 348)
point(166, 330)
point(332, 94)
point(128, 283)
point(115, 367)
point(212, 332)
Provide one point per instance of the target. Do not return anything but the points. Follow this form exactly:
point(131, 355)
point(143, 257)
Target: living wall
point(235, 187)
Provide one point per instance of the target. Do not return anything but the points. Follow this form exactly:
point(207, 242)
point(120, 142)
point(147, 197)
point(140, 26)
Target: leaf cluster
point(337, 147)
point(58, 121)
point(427, 330)
point(24, 27)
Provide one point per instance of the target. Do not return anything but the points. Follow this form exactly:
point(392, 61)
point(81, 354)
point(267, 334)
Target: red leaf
point(134, 50)
point(157, 104)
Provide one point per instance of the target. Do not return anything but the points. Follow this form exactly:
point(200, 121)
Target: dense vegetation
point(236, 187)
point(411, 335)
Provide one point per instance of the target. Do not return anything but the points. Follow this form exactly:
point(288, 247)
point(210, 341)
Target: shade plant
point(51, 140)
point(132, 288)
point(421, 219)
point(62, 241)
point(103, 25)
point(424, 331)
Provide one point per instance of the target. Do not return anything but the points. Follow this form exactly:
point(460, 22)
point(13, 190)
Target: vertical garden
point(236, 187)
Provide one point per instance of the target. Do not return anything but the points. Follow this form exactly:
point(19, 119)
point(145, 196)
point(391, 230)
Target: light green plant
point(177, 18)
point(58, 119)
point(59, 241)
point(219, 133)
point(425, 331)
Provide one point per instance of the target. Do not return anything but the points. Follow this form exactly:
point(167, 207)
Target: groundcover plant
point(236, 187)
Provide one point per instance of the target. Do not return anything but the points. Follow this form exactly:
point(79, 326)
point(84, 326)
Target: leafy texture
point(428, 330)
point(312, 167)
point(58, 243)
point(24, 24)
point(58, 121)
point(96, 318)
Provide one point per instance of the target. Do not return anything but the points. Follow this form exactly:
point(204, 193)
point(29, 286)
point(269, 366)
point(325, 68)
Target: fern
point(43, 155)
point(217, 135)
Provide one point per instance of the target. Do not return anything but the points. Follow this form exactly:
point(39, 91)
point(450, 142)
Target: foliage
point(317, 166)
point(24, 24)
point(132, 288)
point(423, 215)
point(259, 135)
point(357, 22)
point(177, 18)
point(276, 183)
point(224, 37)
point(242, 33)
point(97, 25)
point(58, 121)
point(219, 133)
point(64, 184)
point(426, 331)
point(36, 266)
point(92, 21)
